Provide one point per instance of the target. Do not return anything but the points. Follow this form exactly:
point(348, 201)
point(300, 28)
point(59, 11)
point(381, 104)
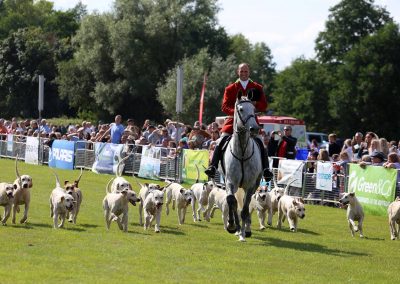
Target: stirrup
point(267, 174)
point(211, 171)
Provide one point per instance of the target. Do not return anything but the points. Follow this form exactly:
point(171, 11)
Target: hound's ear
point(62, 198)
point(15, 186)
point(30, 184)
point(66, 181)
point(352, 194)
point(294, 202)
point(76, 183)
point(301, 200)
point(182, 191)
point(161, 188)
point(146, 184)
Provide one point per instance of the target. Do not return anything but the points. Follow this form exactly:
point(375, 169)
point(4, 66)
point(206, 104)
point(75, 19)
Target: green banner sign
point(374, 186)
point(191, 158)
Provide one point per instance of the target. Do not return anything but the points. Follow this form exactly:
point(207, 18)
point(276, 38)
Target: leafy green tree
point(129, 50)
point(25, 55)
point(368, 92)
point(348, 22)
point(302, 91)
point(219, 74)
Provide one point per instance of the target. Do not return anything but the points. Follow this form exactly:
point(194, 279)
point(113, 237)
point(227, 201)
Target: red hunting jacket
point(229, 100)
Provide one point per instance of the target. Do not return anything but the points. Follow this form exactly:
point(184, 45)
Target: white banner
point(289, 170)
point(32, 150)
point(324, 176)
point(150, 162)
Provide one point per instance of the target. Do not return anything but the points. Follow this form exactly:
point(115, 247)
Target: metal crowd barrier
point(170, 168)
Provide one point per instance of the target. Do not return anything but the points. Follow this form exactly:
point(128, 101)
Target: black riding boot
point(212, 169)
point(267, 174)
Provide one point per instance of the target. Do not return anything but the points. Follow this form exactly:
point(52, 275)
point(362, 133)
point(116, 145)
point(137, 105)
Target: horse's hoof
point(237, 233)
point(262, 228)
point(247, 234)
point(231, 230)
point(241, 239)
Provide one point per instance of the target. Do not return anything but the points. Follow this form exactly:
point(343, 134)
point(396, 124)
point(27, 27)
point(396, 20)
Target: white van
point(322, 139)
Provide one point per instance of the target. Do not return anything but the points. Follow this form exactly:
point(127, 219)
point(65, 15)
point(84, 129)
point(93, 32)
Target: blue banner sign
point(61, 154)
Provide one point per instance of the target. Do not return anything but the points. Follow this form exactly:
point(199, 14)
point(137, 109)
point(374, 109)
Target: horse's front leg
point(233, 217)
point(246, 217)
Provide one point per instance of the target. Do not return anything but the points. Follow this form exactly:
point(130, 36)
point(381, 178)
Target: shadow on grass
point(310, 247)
point(171, 230)
point(29, 225)
point(88, 225)
point(199, 225)
point(374, 239)
point(76, 229)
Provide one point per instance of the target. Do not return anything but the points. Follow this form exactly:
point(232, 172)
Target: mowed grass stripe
point(321, 251)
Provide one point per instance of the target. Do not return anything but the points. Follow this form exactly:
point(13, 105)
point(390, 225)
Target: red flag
point(203, 90)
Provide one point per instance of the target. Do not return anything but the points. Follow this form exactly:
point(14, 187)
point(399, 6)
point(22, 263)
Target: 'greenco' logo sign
point(374, 186)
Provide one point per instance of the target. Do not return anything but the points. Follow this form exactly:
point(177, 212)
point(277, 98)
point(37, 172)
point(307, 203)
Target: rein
point(242, 130)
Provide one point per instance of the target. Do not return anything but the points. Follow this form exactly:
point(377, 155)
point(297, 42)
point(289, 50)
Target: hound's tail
point(285, 192)
point(198, 173)
point(79, 178)
point(16, 171)
point(118, 173)
point(57, 180)
point(108, 186)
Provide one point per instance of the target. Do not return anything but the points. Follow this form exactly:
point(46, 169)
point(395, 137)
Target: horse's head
point(245, 119)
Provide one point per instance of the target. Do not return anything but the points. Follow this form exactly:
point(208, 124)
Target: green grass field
point(322, 251)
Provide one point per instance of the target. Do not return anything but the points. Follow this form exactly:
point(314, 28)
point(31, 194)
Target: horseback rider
point(254, 92)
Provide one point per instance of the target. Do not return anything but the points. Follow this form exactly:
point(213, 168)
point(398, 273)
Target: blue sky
point(288, 27)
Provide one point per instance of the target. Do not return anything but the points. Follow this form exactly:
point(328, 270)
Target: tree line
point(124, 61)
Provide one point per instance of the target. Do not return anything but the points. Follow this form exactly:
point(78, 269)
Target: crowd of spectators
point(366, 149)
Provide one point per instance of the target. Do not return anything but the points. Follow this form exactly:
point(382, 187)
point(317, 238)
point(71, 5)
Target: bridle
point(244, 121)
point(242, 130)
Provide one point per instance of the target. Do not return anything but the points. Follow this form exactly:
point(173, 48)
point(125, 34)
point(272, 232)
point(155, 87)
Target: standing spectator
point(323, 155)
point(377, 159)
point(384, 145)
point(374, 146)
point(286, 145)
point(313, 145)
point(311, 161)
point(333, 146)
point(348, 149)
point(3, 129)
point(116, 130)
point(34, 126)
point(148, 131)
point(146, 124)
point(21, 127)
point(214, 137)
point(394, 163)
point(134, 130)
point(357, 143)
point(44, 127)
point(198, 136)
point(156, 136)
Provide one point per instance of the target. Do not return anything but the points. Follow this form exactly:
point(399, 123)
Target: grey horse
point(243, 167)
